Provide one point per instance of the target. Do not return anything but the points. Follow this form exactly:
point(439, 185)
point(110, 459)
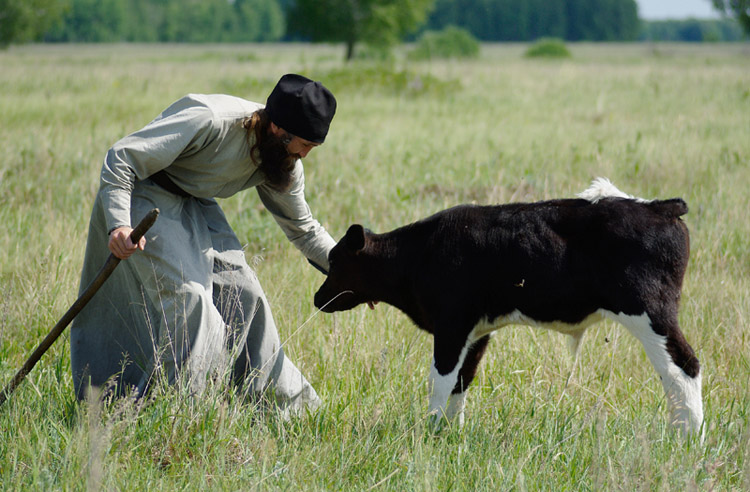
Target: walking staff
point(83, 299)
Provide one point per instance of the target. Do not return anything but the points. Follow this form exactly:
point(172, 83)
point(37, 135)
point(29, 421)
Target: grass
point(409, 139)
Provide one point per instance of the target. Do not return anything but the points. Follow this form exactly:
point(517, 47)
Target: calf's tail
point(672, 208)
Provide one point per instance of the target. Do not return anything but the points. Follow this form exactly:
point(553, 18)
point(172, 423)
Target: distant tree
point(259, 20)
point(195, 21)
point(380, 23)
point(546, 18)
point(91, 21)
point(691, 32)
point(602, 20)
point(27, 20)
point(488, 20)
point(527, 20)
point(739, 8)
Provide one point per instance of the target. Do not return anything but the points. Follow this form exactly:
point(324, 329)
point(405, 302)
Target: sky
point(676, 9)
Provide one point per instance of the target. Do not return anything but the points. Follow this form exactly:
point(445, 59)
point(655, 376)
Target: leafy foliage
point(25, 20)
point(381, 23)
point(739, 8)
point(451, 42)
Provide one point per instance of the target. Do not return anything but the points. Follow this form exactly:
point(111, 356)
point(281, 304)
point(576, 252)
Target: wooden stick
point(77, 306)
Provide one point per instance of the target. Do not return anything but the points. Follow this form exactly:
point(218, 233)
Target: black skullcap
point(301, 107)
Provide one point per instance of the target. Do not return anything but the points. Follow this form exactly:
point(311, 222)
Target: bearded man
point(188, 308)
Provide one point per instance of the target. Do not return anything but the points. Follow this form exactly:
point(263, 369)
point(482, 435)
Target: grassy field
point(409, 139)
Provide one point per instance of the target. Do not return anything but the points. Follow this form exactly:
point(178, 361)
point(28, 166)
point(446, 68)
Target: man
point(188, 308)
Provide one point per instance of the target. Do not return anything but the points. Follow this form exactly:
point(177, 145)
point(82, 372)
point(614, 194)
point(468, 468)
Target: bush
point(451, 42)
point(548, 48)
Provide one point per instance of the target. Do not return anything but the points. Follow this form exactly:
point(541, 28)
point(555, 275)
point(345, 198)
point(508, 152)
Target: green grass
point(409, 138)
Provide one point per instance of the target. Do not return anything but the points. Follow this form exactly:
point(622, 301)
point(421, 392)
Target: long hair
point(268, 151)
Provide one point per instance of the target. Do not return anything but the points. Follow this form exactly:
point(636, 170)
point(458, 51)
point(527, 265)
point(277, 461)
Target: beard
point(275, 161)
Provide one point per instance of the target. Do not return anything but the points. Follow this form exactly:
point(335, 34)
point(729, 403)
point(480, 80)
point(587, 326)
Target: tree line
point(692, 30)
point(192, 21)
point(513, 20)
point(583, 20)
point(375, 22)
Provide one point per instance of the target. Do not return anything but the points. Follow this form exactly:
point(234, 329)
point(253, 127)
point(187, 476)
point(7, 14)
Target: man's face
point(300, 147)
point(296, 146)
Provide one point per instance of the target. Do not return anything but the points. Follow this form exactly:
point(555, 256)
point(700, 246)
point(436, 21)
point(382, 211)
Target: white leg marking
point(574, 343)
point(456, 406)
point(441, 385)
point(683, 392)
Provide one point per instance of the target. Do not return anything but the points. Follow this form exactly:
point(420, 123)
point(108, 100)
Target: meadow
point(409, 139)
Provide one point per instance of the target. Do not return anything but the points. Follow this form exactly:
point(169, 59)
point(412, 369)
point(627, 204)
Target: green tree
point(739, 8)
point(379, 23)
point(27, 20)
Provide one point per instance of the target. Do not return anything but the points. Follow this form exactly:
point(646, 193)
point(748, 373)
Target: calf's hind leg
point(676, 364)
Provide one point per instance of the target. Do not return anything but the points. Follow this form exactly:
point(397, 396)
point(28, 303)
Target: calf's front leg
point(457, 402)
point(452, 372)
point(446, 364)
point(440, 385)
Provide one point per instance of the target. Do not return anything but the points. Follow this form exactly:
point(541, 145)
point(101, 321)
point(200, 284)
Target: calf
point(560, 264)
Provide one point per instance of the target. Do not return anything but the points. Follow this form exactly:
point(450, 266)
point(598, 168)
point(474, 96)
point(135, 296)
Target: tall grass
point(409, 139)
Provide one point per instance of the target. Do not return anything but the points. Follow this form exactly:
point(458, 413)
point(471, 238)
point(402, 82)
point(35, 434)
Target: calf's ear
point(355, 237)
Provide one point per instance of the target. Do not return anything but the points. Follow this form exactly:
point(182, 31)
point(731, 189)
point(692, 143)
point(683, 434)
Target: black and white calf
point(560, 264)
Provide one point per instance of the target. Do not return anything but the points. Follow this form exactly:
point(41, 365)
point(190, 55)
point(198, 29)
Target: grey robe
point(188, 308)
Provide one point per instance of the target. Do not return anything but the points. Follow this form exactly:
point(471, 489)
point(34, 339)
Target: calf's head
point(346, 285)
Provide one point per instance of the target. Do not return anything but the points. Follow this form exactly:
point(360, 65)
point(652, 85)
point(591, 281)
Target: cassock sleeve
point(180, 130)
point(292, 213)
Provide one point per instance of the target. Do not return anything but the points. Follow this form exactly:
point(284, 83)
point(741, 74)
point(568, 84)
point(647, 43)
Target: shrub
point(548, 48)
point(451, 42)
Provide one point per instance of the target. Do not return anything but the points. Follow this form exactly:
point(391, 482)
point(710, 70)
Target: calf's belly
point(487, 326)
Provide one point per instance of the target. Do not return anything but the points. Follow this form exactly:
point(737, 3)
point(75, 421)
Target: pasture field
point(409, 139)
